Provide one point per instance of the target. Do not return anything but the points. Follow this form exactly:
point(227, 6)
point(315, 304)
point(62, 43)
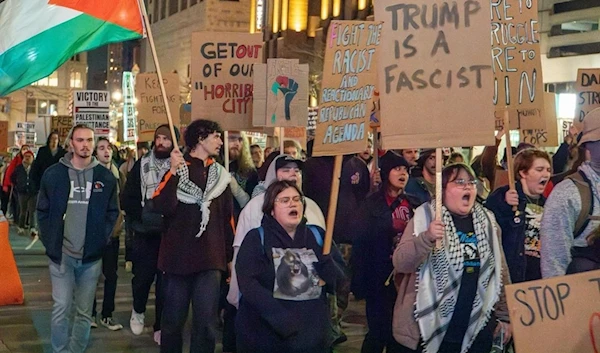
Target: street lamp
point(117, 96)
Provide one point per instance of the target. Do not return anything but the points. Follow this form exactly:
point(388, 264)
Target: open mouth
point(293, 213)
point(543, 182)
point(466, 197)
point(402, 179)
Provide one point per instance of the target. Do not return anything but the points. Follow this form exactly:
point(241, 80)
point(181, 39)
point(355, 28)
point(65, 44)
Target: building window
point(155, 12)
point(31, 104)
point(183, 4)
point(163, 9)
point(75, 57)
point(193, 2)
point(76, 80)
point(51, 81)
point(173, 7)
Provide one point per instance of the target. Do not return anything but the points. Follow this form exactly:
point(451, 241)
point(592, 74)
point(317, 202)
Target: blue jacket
point(101, 215)
point(513, 233)
point(417, 189)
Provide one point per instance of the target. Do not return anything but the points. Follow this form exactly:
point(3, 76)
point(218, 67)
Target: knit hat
point(390, 161)
point(591, 127)
point(165, 131)
point(425, 153)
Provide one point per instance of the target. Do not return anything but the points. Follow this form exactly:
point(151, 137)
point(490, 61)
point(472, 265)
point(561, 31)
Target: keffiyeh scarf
point(439, 278)
point(152, 171)
point(189, 193)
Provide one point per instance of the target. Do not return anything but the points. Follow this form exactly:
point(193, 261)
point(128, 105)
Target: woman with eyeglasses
point(281, 272)
point(450, 297)
point(521, 228)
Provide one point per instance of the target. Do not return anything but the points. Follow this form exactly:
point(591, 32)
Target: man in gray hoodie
point(565, 249)
point(77, 209)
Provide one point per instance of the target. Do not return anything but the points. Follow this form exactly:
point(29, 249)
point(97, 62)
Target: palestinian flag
point(37, 36)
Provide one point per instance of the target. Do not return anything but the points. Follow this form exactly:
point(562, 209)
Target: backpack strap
point(316, 233)
point(584, 186)
point(261, 232)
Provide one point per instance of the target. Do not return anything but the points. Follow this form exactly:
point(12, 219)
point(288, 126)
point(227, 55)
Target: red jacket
point(17, 161)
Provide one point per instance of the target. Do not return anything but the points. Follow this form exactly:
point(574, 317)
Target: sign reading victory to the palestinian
point(435, 77)
point(516, 60)
point(150, 104)
point(560, 314)
point(349, 78)
point(222, 70)
point(91, 108)
point(588, 94)
point(280, 93)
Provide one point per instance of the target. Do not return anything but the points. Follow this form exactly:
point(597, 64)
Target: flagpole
point(163, 91)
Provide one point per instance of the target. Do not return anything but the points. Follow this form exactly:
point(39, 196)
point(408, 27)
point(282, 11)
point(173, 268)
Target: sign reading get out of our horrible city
point(349, 77)
point(91, 108)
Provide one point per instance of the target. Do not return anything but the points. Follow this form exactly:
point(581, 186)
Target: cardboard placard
point(588, 94)
point(349, 78)
point(150, 105)
point(564, 125)
point(91, 108)
point(560, 314)
point(548, 136)
point(280, 95)
point(375, 120)
point(222, 70)
point(435, 77)
point(3, 136)
point(62, 124)
point(516, 59)
point(129, 122)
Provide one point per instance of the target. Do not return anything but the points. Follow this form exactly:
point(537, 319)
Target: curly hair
point(199, 130)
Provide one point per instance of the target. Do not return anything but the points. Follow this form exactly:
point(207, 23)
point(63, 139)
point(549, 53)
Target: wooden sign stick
point(281, 142)
point(509, 157)
point(333, 199)
point(163, 91)
point(226, 149)
point(438, 190)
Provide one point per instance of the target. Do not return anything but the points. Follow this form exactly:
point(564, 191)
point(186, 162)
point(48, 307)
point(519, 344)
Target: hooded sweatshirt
point(77, 206)
point(251, 217)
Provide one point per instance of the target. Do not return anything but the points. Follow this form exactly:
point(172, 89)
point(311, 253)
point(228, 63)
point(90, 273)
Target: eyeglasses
point(466, 184)
point(286, 201)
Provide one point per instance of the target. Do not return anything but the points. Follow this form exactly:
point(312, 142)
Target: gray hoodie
point(561, 211)
point(77, 206)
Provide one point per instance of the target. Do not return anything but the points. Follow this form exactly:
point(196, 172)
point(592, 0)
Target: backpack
point(584, 186)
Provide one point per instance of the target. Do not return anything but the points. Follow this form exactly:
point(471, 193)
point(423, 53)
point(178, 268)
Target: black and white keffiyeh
point(152, 171)
point(439, 277)
point(189, 193)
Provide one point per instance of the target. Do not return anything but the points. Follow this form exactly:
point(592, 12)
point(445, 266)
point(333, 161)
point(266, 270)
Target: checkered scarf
point(189, 193)
point(152, 171)
point(439, 277)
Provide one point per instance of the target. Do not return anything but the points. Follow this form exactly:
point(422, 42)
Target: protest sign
point(62, 124)
point(150, 104)
point(349, 78)
point(435, 78)
point(548, 136)
point(25, 133)
point(129, 124)
point(3, 136)
point(375, 121)
point(280, 93)
point(516, 59)
point(311, 124)
point(558, 314)
point(91, 108)
point(222, 70)
point(588, 94)
point(564, 125)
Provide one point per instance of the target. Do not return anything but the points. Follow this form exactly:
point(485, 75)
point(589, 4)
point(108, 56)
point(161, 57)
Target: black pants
point(145, 271)
point(229, 328)
point(128, 242)
point(4, 199)
point(379, 308)
point(202, 290)
point(482, 343)
point(110, 263)
point(27, 203)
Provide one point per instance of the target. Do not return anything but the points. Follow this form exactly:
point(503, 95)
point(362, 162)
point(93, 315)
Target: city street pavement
point(26, 328)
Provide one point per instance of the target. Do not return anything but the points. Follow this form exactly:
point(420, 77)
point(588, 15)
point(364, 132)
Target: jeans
point(202, 290)
point(72, 282)
point(145, 261)
point(27, 203)
point(110, 262)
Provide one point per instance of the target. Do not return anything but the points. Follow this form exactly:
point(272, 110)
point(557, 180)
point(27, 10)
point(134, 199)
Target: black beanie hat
point(389, 161)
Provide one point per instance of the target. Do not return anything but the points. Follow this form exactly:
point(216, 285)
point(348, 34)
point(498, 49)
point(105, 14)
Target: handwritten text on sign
point(222, 77)
point(588, 93)
point(560, 314)
point(152, 111)
point(349, 78)
point(516, 62)
point(433, 58)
